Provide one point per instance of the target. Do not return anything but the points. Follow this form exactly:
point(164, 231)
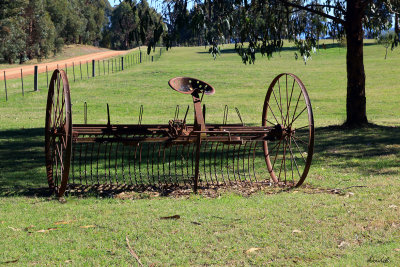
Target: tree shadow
point(371, 150)
point(322, 46)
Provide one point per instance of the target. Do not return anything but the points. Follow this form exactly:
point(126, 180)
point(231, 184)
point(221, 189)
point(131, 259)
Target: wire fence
point(77, 71)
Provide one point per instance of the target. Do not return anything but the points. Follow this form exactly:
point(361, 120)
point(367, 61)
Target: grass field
point(347, 214)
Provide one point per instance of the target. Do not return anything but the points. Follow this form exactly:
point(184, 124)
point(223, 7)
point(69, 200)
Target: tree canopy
point(262, 25)
point(36, 28)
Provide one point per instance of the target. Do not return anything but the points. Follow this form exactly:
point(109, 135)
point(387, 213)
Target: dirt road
point(13, 73)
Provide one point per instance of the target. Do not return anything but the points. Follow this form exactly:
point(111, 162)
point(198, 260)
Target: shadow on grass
point(287, 48)
point(371, 150)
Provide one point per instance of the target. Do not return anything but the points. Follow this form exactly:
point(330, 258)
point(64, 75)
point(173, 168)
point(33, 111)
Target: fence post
point(87, 69)
point(140, 56)
point(93, 68)
point(22, 83)
point(47, 77)
point(35, 80)
point(73, 69)
point(122, 63)
point(5, 85)
point(80, 67)
point(112, 65)
point(152, 59)
point(108, 67)
point(98, 66)
point(160, 51)
point(104, 68)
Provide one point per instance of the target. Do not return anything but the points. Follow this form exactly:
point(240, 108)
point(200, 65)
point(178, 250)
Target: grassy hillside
point(347, 213)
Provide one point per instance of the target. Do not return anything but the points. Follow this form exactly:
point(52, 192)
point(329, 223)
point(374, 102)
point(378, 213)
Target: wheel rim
point(287, 104)
point(58, 132)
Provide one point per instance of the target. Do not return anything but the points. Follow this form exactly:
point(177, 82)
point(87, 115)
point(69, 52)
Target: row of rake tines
point(158, 163)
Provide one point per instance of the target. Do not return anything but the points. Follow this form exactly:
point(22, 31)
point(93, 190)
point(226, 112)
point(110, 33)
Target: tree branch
point(326, 6)
point(311, 10)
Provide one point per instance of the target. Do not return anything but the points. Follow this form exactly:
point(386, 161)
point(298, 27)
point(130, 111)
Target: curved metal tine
point(238, 162)
point(116, 163)
point(129, 164)
point(158, 163)
point(97, 163)
point(176, 113)
point(182, 164)
point(134, 163)
point(233, 163)
point(85, 112)
point(210, 164)
point(227, 163)
point(244, 157)
point(91, 163)
point(187, 110)
point(222, 163)
point(254, 158)
point(152, 163)
point(109, 163)
point(240, 117)
point(175, 165)
point(140, 115)
point(147, 162)
point(204, 161)
point(215, 163)
point(248, 161)
point(187, 164)
point(105, 163)
point(108, 115)
point(86, 149)
point(80, 163)
point(53, 156)
point(169, 165)
point(163, 165)
point(225, 119)
point(140, 164)
point(122, 161)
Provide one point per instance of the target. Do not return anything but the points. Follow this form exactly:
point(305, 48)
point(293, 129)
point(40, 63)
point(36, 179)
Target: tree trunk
point(356, 101)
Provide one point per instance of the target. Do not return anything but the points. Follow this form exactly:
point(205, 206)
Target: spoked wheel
point(288, 107)
point(58, 133)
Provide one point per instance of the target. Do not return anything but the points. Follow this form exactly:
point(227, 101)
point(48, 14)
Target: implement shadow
point(22, 167)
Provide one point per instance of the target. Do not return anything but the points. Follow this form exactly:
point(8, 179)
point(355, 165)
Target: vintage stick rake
point(278, 151)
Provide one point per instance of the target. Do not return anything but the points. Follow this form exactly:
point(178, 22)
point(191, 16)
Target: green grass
point(358, 224)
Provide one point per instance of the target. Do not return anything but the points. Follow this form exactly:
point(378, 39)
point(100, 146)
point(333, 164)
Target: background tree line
point(36, 28)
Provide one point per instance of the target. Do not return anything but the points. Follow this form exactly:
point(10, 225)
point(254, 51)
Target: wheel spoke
point(298, 115)
point(299, 149)
point(273, 114)
point(295, 109)
point(276, 155)
point(280, 101)
point(279, 107)
point(295, 163)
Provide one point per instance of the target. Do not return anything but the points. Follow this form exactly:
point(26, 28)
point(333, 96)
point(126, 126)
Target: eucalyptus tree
point(261, 25)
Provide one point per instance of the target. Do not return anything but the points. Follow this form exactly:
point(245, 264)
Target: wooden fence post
point(22, 83)
point(35, 80)
point(5, 85)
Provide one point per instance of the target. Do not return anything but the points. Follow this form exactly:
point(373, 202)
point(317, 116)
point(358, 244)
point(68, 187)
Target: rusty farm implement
point(278, 151)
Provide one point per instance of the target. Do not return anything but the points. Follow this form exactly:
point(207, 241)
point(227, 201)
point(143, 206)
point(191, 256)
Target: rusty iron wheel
point(287, 106)
point(58, 132)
